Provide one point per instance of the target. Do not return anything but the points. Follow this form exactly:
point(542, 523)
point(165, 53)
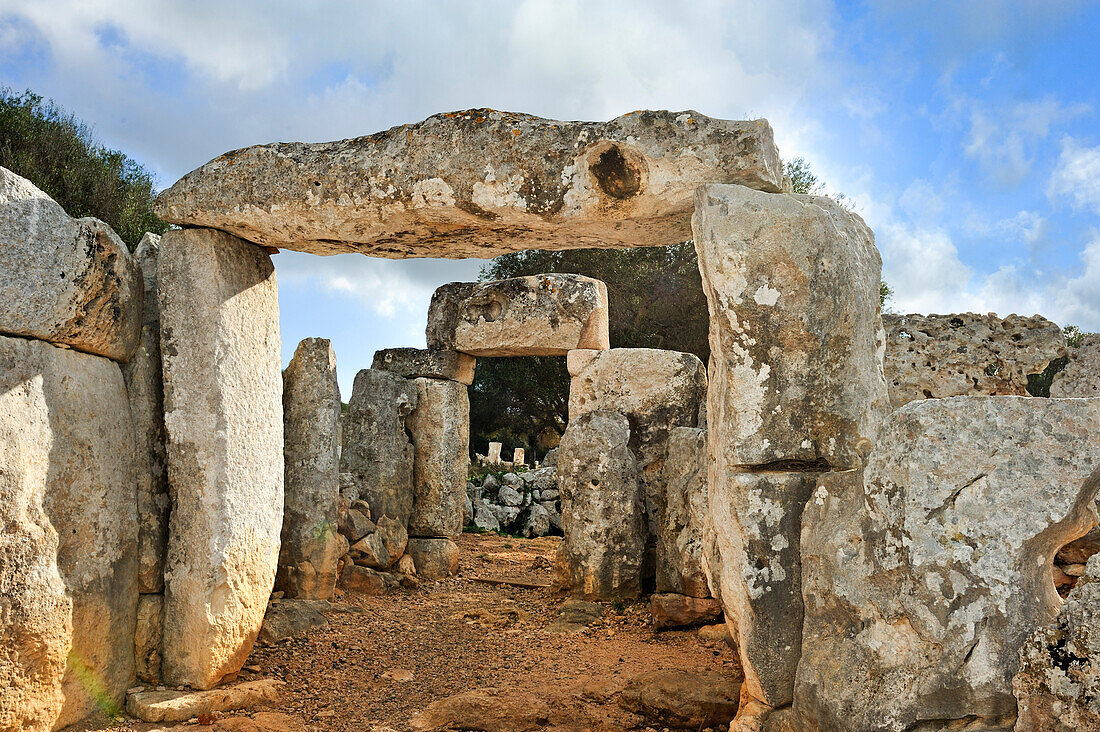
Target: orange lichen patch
point(515, 132)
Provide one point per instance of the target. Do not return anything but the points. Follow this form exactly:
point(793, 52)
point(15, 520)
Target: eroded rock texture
point(412, 363)
point(311, 455)
point(540, 315)
point(377, 457)
point(1081, 377)
point(603, 513)
point(68, 570)
point(223, 407)
point(1058, 685)
point(145, 389)
point(937, 356)
point(923, 578)
point(66, 281)
point(478, 183)
point(680, 545)
point(440, 432)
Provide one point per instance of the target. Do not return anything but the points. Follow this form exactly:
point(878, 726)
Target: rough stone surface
point(311, 487)
point(66, 281)
point(290, 619)
point(965, 354)
point(478, 183)
point(682, 699)
point(792, 285)
point(602, 509)
point(178, 706)
point(440, 431)
point(1058, 685)
point(680, 545)
point(1081, 377)
point(219, 310)
point(68, 571)
point(672, 610)
point(539, 315)
point(412, 363)
point(394, 536)
point(150, 628)
point(377, 456)
point(486, 710)
point(434, 558)
point(145, 389)
point(923, 579)
point(366, 581)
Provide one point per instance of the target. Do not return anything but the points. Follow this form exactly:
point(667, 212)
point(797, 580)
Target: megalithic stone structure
point(223, 410)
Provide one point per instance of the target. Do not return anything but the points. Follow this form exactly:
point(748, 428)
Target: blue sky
point(966, 134)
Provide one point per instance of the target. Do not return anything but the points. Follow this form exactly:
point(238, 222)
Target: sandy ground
point(373, 669)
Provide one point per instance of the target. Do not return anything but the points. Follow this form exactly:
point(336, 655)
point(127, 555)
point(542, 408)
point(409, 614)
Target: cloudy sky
point(967, 134)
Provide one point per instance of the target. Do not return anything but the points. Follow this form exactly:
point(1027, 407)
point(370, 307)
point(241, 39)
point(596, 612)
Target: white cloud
point(1004, 141)
point(1077, 175)
point(924, 269)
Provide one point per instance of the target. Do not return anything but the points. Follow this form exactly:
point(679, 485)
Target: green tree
point(59, 154)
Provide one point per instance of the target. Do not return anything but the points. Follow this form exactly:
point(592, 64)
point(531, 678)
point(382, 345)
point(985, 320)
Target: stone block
point(671, 610)
point(680, 543)
point(440, 432)
point(150, 628)
point(1081, 377)
point(172, 705)
point(412, 363)
point(434, 558)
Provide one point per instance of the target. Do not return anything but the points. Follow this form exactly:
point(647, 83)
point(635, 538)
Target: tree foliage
point(59, 154)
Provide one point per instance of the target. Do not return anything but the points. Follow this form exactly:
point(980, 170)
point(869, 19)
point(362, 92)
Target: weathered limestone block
point(673, 610)
point(440, 431)
point(68, 571)
point(171, 705)
point(1058, 685)
point(923, 578)
point(792, 285)
point(478, 183)
point(1081, 377)
point(150, 628)
point(377, 456)
point(966, 354)
point(602, 509)
point(434, 558)
point(219, 310)
point(680, 543)
point(311, 487)
point(412, 363)
point(145, 389)
point(66, 281)
point(539, 315)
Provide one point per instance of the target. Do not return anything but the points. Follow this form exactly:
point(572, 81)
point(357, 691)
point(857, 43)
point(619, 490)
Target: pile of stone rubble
point(525, 504)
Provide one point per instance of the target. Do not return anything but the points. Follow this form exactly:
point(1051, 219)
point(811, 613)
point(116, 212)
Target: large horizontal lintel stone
point(537, 315)
point(431, 363)
point(67, 281)
point(478, 183)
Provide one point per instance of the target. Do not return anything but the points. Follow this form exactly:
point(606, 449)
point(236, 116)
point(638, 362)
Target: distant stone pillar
point(493, 458)
point(311, 414)
point(796, 390)
point(518, 456)
point(224, 415)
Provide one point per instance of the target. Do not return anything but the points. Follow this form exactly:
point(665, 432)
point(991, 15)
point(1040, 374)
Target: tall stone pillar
point(224, 416)
point(796, 390)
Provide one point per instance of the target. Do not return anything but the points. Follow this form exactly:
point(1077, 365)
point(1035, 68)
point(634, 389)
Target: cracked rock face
point(1081, 377)
point(923, 578)
point(66, 281)
point(478, 183)
point(539, 315)
point(937, 356)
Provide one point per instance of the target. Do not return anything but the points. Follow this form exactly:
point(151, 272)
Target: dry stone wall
point(1081, 376)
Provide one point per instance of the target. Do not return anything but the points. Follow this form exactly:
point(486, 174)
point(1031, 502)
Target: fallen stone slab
point(478, 183)
point(67, 281)
point(486, 710)
point(311, 485)
point(223, 387)
point(539, 315)
point(290, 619)
point(1081, 376)
point(440, 432)
point(178, 706)
point(670, 610)
point(924, 576)
point(367, 581)
point(431, 363)
point(434, 558)
point(966, 354)
point(682, 699)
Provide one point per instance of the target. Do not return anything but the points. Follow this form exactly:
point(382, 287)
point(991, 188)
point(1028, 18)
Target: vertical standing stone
point(680, 546)
point(440, 430)
point(219, 307)
point(518, 456)
point(601, 509)
point(144, 387)
point(377, 457)
point(311, 453)
point(797, 389)
point(68, 575)
point(494, 453)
